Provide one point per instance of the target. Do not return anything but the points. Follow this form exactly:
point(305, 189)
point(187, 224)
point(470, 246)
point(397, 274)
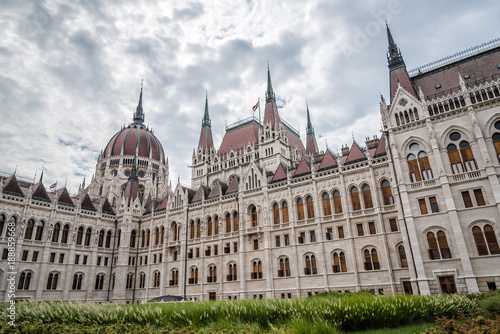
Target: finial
point(139, 112)
point(309, 129)
point(352, 133)
point(269, 93)
point(206, 118)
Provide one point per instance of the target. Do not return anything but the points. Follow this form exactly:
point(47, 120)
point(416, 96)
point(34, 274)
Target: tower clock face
point(403, 102)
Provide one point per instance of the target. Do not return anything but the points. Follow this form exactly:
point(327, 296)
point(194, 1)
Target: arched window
point(39, 230)
point(236, 224)
point(276, 214)
point(88, 234)
point(198, 228)
point(339, 264)
point(77, 281)
point(175, 233)
point(310, 268)
point(143, 238)
point(371, 259)
point(194, 276)
point(65, 233)
point(402, 256)
point(496, 141)
point(216, 225)
point(133, 237)
point(174, 277)
point(438, 248)
point(356, 203)
point(24, 281)
point(254, 216)
point(156, 281)
point(284, 212)
point(55, 232)
point(157, 235)
point(142, 280)
point(130, 280)
point(284, 269)
point(300, 209)
point(256, 270)
point(52, 281)
point(2, 223)
point(209, 226)
point(99, 282)
point(212, 274)
point(367, 197)
point(148, 237)
point(310, 207)
point(337, 202)
point(101, 238)
point(232, 272)
point(118, 237)
point(327, 208)
point(488, 246)
point(463, 160)
point(162, 234)
point(420, 168)
point(191, 230)
point(79, 236)
point(29, 229)
point(108, 240)
point(228, 223)
point(387, 193)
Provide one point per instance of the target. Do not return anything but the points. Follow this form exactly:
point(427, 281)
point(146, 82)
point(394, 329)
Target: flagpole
point(259, 109)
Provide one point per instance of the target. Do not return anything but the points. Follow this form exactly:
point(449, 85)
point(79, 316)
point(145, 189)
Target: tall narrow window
point(276, 213)
point(300, 209)
point(29, 229)
point(467, 199)
point(356, 203)
point(198, 228)
point(423, 206)
point(2, 223)
point(79, 235)
point(467, 156)
point(162, 235)
point(496, 141)
point(228, 223)
point(133, 236)
point(108, 240)
point(77, 282)
point(209, 226)
point(55, 233)
point(337, 202)
point(491, 239)
point(340, 230)
point(433, 246)
point(360, 230)
point(425, 167)
point(367, 197)
point(88, 235)
point(310, 207)
point(327, 208)
point(443, 245)
point(339, 264)
point(387, 193)
point(191, 230)
point(368, 260)
point(157, 235)
point(65, 233)
point(394, 224)
point(52, 281)
point(236, 224)
point(371, 228)
point(376, 264)
point(285, 212)
point(311, 267)
point(413, 168)
point(254, 216)
point(343, 266)
point(402, 256)
point(482, 249)
point(434, 204)
point(101, 239)
point(479, 197)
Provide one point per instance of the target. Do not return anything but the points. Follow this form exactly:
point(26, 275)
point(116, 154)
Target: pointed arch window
point(148, 237)
point(52, 281)
point(232, 272)
point(191, 230)
point(284, 209)
point(419, 168)
point(99, 282)
point(162, 234)
point(337, 202)
point(88, 235)
point(77, 281)
point(55, 233)
point(367, 197)
point(157, 236)
point(387, 193)
point(496, 141)
point(327, 208)
point(402, 256)
point(310, 268)
point(209, 226)
point(174, 231)
point(276, 214)
point(256, 270)
point(228, 223)
point(198, 228)
point(101, 238)
point(488, 246)
point(310, 207)
point(133, 237)
point(356, 203)
point(157, 279)
point(24, 281)
point(118, 237)
point(212, 274)
point(300, 209)
point(339, 264)
point(371, 259)
point(194, 276)
point(174, 277)
point(284, 269)
point(39, 230)
point(254, 216)
point(79, 235)
point(65, 233)
point(463, 159)
point(108, 240)
point(438, 248)
point(216, 225)
point(236, 224)
point(29, 229)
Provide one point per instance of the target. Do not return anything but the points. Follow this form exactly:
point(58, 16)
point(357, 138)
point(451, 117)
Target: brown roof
point(355, 154)
point(233, 186)
point(280, 174)
point(206, 141)
point(303, 168)
point(328, 161)
point(381, 148)
point(13, 187)
point(238, 137)
point(271, 115)
point(40, 192)
point(400, 75)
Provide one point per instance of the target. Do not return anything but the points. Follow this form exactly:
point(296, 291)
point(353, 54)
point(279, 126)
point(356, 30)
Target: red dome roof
point(135, 136)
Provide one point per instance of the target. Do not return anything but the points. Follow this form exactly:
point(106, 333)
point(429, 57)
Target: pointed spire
point(41, 175)
point(139, 112)
point(310, 129)
point(206, 118)
point(133, 173)
point(311, 144)
point(269, 93)
point(394, 56)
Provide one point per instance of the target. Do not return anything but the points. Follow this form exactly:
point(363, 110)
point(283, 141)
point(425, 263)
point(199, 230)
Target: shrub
point(491, 304)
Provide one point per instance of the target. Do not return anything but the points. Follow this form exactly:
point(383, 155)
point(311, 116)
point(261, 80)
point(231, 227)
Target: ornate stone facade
point(265, 217)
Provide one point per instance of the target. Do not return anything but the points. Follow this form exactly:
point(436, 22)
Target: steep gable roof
point(233, 186)
point(239, 136)
point(163, 204)
point(12, 187)
point(64, 197)
point(328, 161)
point(280, 174)
point(303, 168)
point(380, 148)
point(215, 191)
point(87, 203)
point(107, 208)
point(39, 193)
point(355, 154)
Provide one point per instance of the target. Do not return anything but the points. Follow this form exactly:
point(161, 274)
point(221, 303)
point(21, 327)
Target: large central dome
point(135, 138)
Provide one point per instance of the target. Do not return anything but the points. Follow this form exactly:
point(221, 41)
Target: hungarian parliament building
point(413, 210)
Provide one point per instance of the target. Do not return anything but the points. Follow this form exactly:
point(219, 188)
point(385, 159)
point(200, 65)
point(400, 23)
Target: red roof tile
point(355, 154)
point(206, 141)
point(311, 145)
point(303, 168)
point(280, 174)
point(328, 161)
point(13, 187)
point(233, 186)
point(39, 192)
point(381, 148)
point(400, 75)
point(239, 137)
point(215, 191)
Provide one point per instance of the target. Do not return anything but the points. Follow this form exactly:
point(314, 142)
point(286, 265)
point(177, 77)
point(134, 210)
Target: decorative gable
point(327, 162)
point(380, 151)
point(303, 168)
point(233, 186)
point(279, 175)
point(40, 194)
point(64, 198)
point(12, 187)
point(87, 203)
point(355, 155)
point(107, 208)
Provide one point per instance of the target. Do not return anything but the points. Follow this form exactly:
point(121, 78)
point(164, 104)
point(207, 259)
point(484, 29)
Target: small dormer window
point(403, 102)
point(466, 76)
point(438, 86)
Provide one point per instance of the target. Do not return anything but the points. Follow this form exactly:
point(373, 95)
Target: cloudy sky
point(71, 70)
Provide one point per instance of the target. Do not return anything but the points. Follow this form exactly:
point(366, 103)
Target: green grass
point(327, 314)
point(419, 328)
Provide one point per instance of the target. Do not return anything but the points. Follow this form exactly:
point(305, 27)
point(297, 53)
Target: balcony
point(467, 176)
point(423, 184)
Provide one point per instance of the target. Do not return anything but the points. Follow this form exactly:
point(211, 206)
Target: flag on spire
point(256, 105)
point(53, 186)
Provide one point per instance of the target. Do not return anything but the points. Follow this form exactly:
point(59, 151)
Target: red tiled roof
point(401, 75)
point(311, 145)
point(198, 196)
point(303, 168)
point(239, 137)
point(294, 139)
point(131, 191)
point(13, 186)
point(39, 191)
point(64, 197)
point(215, 191)
point(271, 115)
point(206, 141)
point(106, 207)
point(478, 67)
point(233, 186)
point(381, 147)
point(163, 205)
point(280, 174)
point(328, 161)
point(355, 154)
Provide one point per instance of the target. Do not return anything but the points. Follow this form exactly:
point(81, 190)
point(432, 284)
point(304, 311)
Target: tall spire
point(310, 129)
point(206, 141)
point(269, 92)
point(394, 56)
point(139, 112)
point(206, 119)
point(311, 144)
